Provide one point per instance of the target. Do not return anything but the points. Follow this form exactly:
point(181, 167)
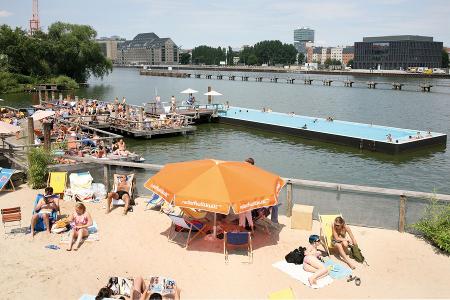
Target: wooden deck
point(148, 134)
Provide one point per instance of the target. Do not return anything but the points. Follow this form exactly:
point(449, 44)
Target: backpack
point(296, 256)
point(356, 254)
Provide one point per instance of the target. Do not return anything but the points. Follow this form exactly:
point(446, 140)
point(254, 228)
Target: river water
point(426, 170)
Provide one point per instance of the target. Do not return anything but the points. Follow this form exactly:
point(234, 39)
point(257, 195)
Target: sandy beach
point(401, 265)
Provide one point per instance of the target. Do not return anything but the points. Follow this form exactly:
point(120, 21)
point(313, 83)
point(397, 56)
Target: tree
point(185, 58)
point(444, 59)
point(350, 63)
point(208, 55)
point(252, 59)
point(230, 56)
point(327, 62)
point(301, 58)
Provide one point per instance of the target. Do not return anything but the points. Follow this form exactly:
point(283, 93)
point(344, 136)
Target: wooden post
point(47, 130)
point(402, 214)
point(289, 199)
point(30, 131)
point(209, 97)
point(106, 177)
point(40, 95)
point(46, 95)
point(53, 95)
point(60, 97)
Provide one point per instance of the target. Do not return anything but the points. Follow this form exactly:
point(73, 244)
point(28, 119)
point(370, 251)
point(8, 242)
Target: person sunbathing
point(122, 193)
point(339, 240)
point(80, 220)
point(44, 208)
point(311, 262)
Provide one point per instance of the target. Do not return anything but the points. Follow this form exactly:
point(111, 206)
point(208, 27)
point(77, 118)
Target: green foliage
point(208, 55)
point(445, 59)
point(301, 58)
point(7, 82)
point(435, 224)
point(185, 58)
point(332, 62)
point(269, 52)
point(67, 49)
point(350, 63)
point(230, 56)
point(38, 160)
point(68, 82)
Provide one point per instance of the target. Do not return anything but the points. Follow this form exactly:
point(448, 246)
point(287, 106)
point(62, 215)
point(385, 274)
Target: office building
point(148, 49)
point(303, 38)
point(109, 46)
point(397, 52)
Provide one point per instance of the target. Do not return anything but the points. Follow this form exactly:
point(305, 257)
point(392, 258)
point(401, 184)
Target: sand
point(401, 265)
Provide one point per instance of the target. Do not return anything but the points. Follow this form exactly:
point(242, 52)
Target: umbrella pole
point(215, 227)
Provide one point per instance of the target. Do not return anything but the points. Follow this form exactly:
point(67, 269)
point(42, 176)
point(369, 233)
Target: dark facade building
point(397, 52)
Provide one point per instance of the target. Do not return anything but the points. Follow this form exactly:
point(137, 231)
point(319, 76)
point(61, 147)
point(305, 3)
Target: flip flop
point(351, 278)
point(357, 281)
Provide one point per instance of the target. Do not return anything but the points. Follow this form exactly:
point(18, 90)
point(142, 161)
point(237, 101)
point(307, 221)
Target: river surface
point(426, 170)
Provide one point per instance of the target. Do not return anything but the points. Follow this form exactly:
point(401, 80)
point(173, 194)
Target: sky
point(235, 23)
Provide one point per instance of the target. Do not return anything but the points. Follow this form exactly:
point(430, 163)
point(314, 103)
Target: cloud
point(5, 13)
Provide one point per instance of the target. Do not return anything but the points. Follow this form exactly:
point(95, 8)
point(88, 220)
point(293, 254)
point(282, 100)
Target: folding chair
point(326, 230)
point(81, 186)
point(238, 239)
point(40, 225)
point(10, 215)
point(130, 181)
point(58, 181)
point(185, 224)
point(5, 179)
point(154, 201)
point(199, 215)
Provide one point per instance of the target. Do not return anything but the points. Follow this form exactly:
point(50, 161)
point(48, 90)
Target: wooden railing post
point(289, 199)
point(30, 130)
point(209, 97)
point(106, 177)
point(47, 130)
point(402, 214)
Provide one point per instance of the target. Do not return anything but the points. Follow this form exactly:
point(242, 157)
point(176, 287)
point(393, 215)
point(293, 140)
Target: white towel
point(297, 272)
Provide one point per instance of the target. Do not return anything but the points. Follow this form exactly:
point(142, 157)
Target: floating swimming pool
point(363, 136)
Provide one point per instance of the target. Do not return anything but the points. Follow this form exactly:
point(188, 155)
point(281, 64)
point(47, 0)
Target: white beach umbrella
point(189, 91)
point(212, 93)
point(42, 114)
point(6, 128)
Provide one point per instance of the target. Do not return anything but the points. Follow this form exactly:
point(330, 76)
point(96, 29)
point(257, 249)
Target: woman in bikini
point(311, 262)
point(80, 220)
point(339, 240)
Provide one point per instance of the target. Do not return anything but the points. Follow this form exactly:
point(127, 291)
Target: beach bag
point(356, 254)
point(296, 256)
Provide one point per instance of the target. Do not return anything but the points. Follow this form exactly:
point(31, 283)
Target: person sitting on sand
point(339, 240)
point(122, 193)
point(80, 220)
point(311, 262)
point(44, 208)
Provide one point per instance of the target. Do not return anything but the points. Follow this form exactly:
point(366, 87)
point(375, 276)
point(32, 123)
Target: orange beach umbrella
point(215, 185)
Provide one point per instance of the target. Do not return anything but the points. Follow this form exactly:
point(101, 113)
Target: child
point(311, 262)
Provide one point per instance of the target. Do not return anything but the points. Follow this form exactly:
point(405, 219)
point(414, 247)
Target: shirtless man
point(44, 208)
point(122, 193)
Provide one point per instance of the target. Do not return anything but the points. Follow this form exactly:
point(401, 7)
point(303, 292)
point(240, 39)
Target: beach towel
point(297, 272)
point(336, 270)
point(93, 235)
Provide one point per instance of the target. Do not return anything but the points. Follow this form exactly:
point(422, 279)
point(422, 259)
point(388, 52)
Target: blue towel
point(336, 270)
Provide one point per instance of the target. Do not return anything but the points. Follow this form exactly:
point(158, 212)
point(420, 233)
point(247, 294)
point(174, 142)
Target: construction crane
point(35, 23)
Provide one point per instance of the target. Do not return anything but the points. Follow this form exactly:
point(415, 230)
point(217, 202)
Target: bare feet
point(125, 212)
point(69, 249)
point(312, 281)
point(107, 211)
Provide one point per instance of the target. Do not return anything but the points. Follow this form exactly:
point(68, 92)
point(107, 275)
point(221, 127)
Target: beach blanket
point(336, 270)
point(297, 272)
point(93, 235)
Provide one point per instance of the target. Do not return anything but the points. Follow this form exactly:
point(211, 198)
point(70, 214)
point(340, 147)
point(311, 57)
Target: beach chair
point(11, 215)
point(238, 239)
point(195, 214)
point(40, 225)
point(284, 294)
point(326, 230)
point(130, 180)
point(154, 201)
point(184, 224)
point(5, 180)
point(81, 186)
point(58, 181)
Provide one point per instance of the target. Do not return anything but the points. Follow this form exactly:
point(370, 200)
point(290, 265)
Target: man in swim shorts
point(121, 193)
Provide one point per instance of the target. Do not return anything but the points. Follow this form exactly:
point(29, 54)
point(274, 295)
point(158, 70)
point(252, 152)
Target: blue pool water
point(336, 127)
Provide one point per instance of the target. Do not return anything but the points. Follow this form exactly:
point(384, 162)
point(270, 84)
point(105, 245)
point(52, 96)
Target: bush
point(7, 82)
point(38, 159)
point(68, 82)
point(435, 224)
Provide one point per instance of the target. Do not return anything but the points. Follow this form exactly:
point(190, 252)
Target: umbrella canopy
point(6, 128)
point(189, 91)
point(212, 93)
point(42, 114)
point(216, 186)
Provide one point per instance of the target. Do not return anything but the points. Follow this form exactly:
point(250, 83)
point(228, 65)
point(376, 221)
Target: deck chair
point(238, 239)
point(130, 180)
point(40, 225)
point(326, 230)
point(284, 294)
point(58, 181)
point(185, 224)
point(5, 180)
point(81, 186)
point(195, 214)
point(154, 201)
point(11, 215)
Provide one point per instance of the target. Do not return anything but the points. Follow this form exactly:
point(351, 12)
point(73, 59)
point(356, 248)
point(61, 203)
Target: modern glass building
point(304, 35)
point(397, 52)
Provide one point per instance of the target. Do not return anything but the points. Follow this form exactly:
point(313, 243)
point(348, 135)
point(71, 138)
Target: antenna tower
point(35, 23)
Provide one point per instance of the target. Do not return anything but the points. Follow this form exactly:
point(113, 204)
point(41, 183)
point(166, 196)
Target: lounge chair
point(58, 181)
point(5, 179)
point(285, 294)
point(130, 180)
point(184, 224)
point(238, 239)
point(11, 215)
point(195, 214)
point(154, 201)
point(40, 225)
point(326, 230)
point(81, 186)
